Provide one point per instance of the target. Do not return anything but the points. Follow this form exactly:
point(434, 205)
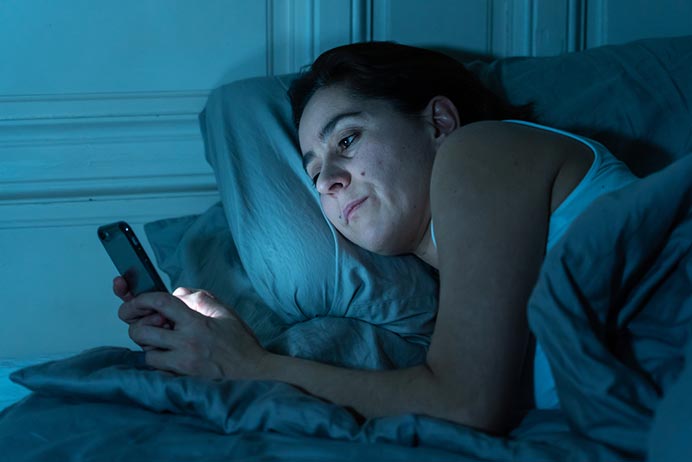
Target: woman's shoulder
point(504, 145)
point(509, 133)
point(513, 150)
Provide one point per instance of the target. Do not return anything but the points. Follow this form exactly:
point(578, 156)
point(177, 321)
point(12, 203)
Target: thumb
point(181, 292)
point(204, 303)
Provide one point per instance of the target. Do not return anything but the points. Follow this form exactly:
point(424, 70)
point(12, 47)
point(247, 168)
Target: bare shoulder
point(486, 171)
point(508, 139)
point(485, 154)
point(510, 150)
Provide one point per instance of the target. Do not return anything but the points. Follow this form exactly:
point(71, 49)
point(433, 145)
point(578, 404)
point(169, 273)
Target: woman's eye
point(314, 179)
point(346, 142)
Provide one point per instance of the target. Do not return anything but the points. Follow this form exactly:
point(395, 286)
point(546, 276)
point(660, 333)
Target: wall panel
point(438, 23)
point(91, 154)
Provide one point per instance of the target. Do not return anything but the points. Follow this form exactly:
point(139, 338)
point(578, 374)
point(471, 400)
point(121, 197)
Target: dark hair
point(406, 76)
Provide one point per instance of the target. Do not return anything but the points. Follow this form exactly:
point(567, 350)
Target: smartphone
point(130, 259)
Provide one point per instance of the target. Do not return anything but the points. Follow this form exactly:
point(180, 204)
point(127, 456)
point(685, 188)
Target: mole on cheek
point(362, 173)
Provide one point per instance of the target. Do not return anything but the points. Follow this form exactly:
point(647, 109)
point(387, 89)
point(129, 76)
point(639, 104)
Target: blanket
point(612, 308)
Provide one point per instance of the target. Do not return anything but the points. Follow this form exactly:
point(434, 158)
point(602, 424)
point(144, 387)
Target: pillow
point(198, 251)
point(298, 264)
point(635, 98)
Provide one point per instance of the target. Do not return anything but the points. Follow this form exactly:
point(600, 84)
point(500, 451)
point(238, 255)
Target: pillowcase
point(297, 263)
point(634, 98)
point(198, 251)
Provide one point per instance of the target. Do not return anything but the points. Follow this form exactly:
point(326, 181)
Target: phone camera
point(104, 235)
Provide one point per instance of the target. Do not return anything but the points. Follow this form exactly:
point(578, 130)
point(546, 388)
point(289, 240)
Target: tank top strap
point(432, 233)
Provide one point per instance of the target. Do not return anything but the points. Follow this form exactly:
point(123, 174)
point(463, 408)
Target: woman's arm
point(491, 199)
point(370, 393)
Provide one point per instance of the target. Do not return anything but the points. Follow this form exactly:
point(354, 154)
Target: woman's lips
point(348, 210)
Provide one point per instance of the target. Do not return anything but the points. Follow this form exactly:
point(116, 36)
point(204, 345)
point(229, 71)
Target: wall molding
point(381, 21)
point(596, 23)
point(298, 31)
point(85, 158)
point(509, 28)
point(290, 35)
point(87, 189)
point(576, 25)
point(361, 21)
point(84, 105)
point(557, 27)
point(135, 209)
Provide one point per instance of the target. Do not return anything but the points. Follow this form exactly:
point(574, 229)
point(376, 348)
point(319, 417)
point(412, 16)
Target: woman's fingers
point(164, 361)
point(155, 320)
point(152, 337)
point(121, 290)
point(152, 320)
point(168, 306)
point(130, 313)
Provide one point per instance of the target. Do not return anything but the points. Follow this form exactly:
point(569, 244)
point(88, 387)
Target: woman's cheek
point(330, 211)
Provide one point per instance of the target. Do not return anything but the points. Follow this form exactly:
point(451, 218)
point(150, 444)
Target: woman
point(410, 155)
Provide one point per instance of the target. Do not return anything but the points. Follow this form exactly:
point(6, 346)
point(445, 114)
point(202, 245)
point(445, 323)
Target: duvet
point(612, 309)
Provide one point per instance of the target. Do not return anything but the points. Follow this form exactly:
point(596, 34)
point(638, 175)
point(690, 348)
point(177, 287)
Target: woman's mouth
point(350, 208)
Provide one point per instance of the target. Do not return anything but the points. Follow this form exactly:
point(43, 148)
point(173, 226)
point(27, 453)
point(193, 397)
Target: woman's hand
point(205, 339)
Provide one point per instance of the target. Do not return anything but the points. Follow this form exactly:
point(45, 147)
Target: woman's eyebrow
point(329, 127)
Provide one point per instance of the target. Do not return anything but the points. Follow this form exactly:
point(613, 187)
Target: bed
point(612, 306)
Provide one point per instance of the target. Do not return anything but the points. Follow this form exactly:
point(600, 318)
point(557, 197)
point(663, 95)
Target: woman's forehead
point(325, 110)
point(331, 100)
point(336, 102)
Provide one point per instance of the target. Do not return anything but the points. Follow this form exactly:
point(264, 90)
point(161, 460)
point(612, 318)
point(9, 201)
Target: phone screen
point(129, 257)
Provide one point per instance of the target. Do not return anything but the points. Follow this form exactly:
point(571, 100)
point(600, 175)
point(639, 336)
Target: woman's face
point(371, 165)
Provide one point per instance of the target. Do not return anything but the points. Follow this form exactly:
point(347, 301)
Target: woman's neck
point(426, 250)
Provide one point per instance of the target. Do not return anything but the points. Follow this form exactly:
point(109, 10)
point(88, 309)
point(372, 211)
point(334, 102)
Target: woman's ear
point(443, 116)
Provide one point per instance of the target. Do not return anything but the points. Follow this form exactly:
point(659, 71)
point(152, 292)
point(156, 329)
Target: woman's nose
point(332, 178)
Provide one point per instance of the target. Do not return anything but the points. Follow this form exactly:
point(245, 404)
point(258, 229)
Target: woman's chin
point(377, 242)
point(384, 248)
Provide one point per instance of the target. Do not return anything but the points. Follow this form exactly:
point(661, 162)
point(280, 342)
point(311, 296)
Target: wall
point(98, 116)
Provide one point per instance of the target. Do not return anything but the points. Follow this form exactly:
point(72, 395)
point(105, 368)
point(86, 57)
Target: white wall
point(98, 116)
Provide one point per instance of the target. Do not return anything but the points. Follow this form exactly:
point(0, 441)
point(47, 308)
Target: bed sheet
point(11, 392)
point(109, 406)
